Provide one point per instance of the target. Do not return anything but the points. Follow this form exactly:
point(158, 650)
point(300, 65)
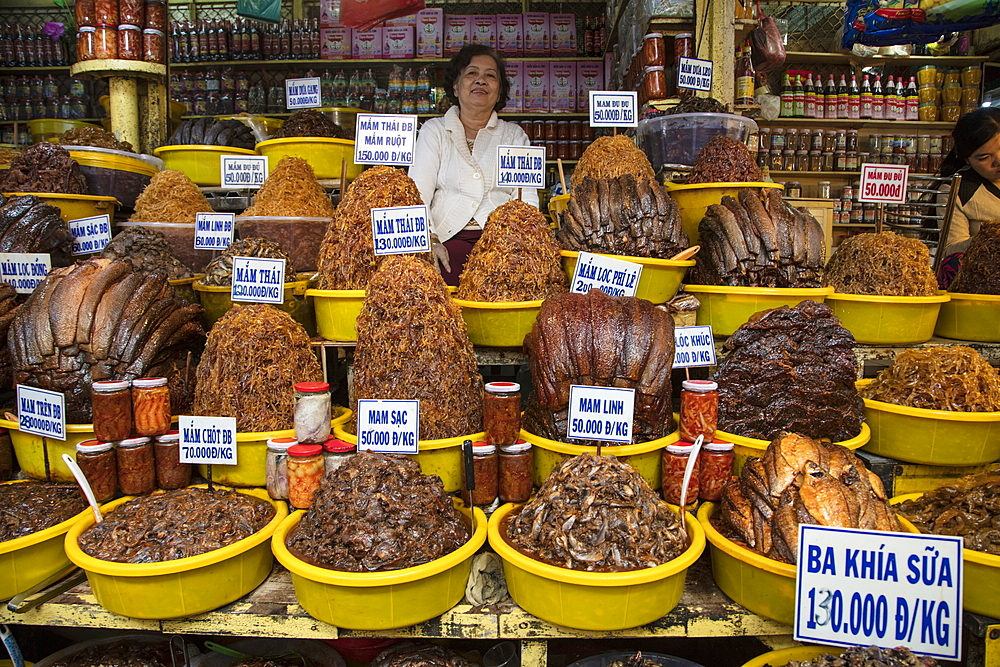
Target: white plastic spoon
point(688, 471)
point(81, 479)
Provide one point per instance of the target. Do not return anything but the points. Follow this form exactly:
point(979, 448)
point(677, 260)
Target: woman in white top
point(454, 160)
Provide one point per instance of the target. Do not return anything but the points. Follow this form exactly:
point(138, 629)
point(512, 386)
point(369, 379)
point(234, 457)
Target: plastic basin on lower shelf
point(499, 323)
point(301, 237)
point(744, 447)
point(43, 129)
point(199, 163)
point(726, 308)
point(694, 199)
point(180, 235)
point(970, 317)
point(323, 154)
point(75, 207)
point(782, 657)
point(658, 282)
point(887, 320)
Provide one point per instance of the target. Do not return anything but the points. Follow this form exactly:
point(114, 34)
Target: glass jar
point(276, 466)
point(132, 12)
point(152, 46)
point(840, 161)
point(793, 190)
point(830, 141)
point(336, 453)
point(792, 138)
point(84, 12)
point(774, 160)
point(151, 406)
point(801, 160)
point(305, 472)
point(516, 466)
point(764, 139)
point(841, 140)
point(874, 143)
point(136, 467)
point(312, 412)
point(106, 12)
point(824, 189)
point(111, 403)
point(815, 160)
point(653, 50)
point(502, 412)
point(156, 15)
point(852, 161)
point(170, 472)
point(778, 138)
point(654, 82)
point(105, 42)
point(788, 160)
point(86, 43)
point(97, 462)
point(699, 409)
point(486, 473)
point(715, 466)
point(674, 463)
point(129, 42)
point(805, 140)
point(852, 140)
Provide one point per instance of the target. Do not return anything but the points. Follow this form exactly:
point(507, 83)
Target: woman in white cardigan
point(454, 161)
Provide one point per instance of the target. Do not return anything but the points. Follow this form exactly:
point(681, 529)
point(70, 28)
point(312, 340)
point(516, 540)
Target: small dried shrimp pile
point(980, 272)
point(968, 507)
point(944, 377)
point(292, 189)
point(170, 197)
point(884, 264)
point(611, 157)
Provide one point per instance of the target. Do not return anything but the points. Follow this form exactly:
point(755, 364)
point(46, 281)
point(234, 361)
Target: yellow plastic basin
point(744, 448)
point(184, 287)
point(981, 590)
point(336, 312)
point(725, 308)
point(594, 600)
point(658, 282)
point(888, 320)
point(86, 157)
point(499, 323)
point(216, 302)
point(251, 453)
point(183, 587)
point(74, 207)
point(931, 437)
point(41, 457)
point(694, 200)
point(436, 457)
point(31, 559)
point(783, 656)
point(970, 317)
point(644, 457)
point(43, 129)
point(323, 154)
point(380, 600)
point(199, 163)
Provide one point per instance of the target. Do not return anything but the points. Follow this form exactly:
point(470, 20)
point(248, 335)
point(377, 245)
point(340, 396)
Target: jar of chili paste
point(136, 468)
point(485, 465)
point(111, 403)
point(516, 468)
point(170, 472)
point(502, 412)
point(97, 461)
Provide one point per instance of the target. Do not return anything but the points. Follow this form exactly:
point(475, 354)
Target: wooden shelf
point(50, 68)
point(807, 57)
point(123, 68)
point(866, 124)
point(273, 64)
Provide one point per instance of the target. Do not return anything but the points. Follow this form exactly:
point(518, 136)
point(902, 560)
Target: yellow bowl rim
point(499, 305)
point(70, 428)
point(322, 575)
point(781, 657)
point(650, 261)
point(761, 291)
point(201, 287)
point(115, 162)
point(422, 445)
point(177, 282)
point(562, 197)
point(60, 195)
point(342, 416)
point(336, 293)
point(226, 150)
point(979, 557)
point(941, 297)
point(268, 143)
point(922, 413)
point(73, 122)
point(97, 566)
point(31, 539)
point(609, 449)
point(600, 579)
point(860, 440)
point(965, 296)
point(673, 187)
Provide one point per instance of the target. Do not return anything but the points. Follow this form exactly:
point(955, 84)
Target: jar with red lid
point(86, 43)
point(674, 461)
point(336, 452)
point(486, 473)
point(653, 50)
point(156, 15)
point(699, 409)
point(84, 12)
point(152, 46)
point(111, 403)
point(132, 12)
point(151, 406)
point(106, 12)
point(312, 412)
point(276, 466)
point(97, 461)
point(516, 470)
point(305, 472)
point(715, 467)
point(136, 467)
point(170, 472)
point(129, 42)
point(105, 42)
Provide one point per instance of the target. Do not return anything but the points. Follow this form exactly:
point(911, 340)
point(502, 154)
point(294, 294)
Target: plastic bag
point(363, 14)
point(262, 10)
point(767, 52)
point(888, 22)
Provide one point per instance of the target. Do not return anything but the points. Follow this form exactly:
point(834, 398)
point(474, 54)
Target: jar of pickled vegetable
point(136, 468)
point(170, 472)
point(152, 46)
point(85, 43)
point(156, 15)
point(715, 466)
point(97, 461)
point(132, 12)
point(83, 11)
point(105, 42)
point(129, 42)
point(151, 406)
point(674, 463)
point(502, 412)
point(111, 403)
point(486, 474)
point(312, 412)
point(699, 409)
point(305, 472)
point(516, 466)
point(336, 453)
point(106, 12)
point(276, 467)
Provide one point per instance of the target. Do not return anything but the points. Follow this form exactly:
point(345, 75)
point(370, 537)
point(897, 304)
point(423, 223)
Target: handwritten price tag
point(213, 231)
point(613, 109)
point(90, 234)
point(243, 171)
point(400, 229)
point(600, 413)
point(208, 440)
point(385, 139)
point(883, 183)
point(41, 412)
point(388, 426)
point(25, 271)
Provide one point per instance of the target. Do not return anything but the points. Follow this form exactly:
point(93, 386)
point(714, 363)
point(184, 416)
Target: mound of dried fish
point(310, 123)
point(175, 524)
point(802, 480)
point(102, 320)
point(254, 356)
point(44, 167)
point(412, 341)
point(605, 341)
point(724, 160)
point(347, 257)
point(27, 224)
point(754, 243)
point(622, 216)
point(611, 157)
point(170, 197)
point(871, 656)
point(148, 250)
point(122, 653)
point(28, 507)
point(213, 132)
point(943, 377)
point(884, 264)
point(968, 507)
point(430, 655)
point(697, 105)
point(96, 137)
point(598, 514)
point(980, 270)
point(291, 189)
point(516, 259)
point(377, 513)
point(219, 272)
point(790, 369)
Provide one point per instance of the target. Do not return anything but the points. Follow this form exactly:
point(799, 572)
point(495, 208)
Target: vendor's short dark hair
point(462, 60)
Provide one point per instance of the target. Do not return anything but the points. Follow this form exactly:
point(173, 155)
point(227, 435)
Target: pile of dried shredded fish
point(413, 342)
point(148, 250)
point(871, 656)
point(943, 377)
point(724, 160)
point(968, 507)
point(28, 507)
point(883, 264)
point(310, 123)
point(347, 257)
point(598, 514)
point(254, 356)
point(170, 197)
point(44, 167)
point(94, 136)
point(980, 271)
point(516, 259)
point(292, 189)
point(219, 272)
point(430, 655)
point(121, 653)
point(611, 157)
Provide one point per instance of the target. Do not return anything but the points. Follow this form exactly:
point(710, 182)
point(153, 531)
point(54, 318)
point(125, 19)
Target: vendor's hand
point(439, 255)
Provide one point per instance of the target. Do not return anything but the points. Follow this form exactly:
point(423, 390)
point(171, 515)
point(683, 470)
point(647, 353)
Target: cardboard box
point(536, 33)
point(457, 32)
point(397, 42)
point(366, 44)
point(515, 74)
point(589, 76)
point(510, 34)
point(335, 43)
point(536, 86)
point(429, 33)
point(562, 34)
point(484, 30)
point(401, 22)
point(329, 13)
point(562, 86)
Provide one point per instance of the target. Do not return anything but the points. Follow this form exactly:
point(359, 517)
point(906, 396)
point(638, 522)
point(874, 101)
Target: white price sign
point(91, 234)
point(616, 277)
point(258, 280)
point(613, 109)
point(388, 426)
point(400, 229)
point(24, 270)
point(864, 587)
point(41, 412)
point(303, 93)
point(693, 346)
point(695, 74)
point(883, 183)
point(521, 166)
point(208, 440)
point(213, 231)
point(243, 171)
point(385, 139)
point(600, 413)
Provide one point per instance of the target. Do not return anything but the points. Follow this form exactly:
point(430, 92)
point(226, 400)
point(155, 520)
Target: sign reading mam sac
point(693, 346)
point(24, 270)
point(883, 183)
point(521, 166)
point(91, 234)
point(258, 280)
point(213, 231)
point(302, 93)
point(385, 139)
point(616, 277)
point(601, 413)
point(243, 171)
point(207, 440)
point(613, 108)
point(388, 426)
point(400, 229)
point(695, 74)
point(41, 412)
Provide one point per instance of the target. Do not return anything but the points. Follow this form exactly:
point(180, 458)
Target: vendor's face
point(985, 160)
point(478, 86)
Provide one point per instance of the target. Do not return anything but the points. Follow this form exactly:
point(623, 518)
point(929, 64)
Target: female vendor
point(455, 157)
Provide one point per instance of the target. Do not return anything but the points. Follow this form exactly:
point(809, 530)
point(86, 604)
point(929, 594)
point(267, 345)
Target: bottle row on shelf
point(28, 45)
point(793, 149)
point(25, 98)
point(208, 40)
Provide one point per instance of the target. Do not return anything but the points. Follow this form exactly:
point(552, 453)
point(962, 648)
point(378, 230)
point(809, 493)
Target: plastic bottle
point(866, 97)
point(786, 98)
point(853, 99)
point(891, 99)
point(799, 98)
point(810, 97)
point(912, 100)
point(831, 98)
point(842, 97)
point(878, 99)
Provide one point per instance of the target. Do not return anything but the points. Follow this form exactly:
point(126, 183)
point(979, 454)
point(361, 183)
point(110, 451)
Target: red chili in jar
point(136, 469)
point(502, 412)
point(516, 469)
point(129, 42)
point(654, 82)
point(715, 467)
point(485, 466)
point(674, 463)
point(170, 472)
point(653, 51)
point(97, 462)
point(111, 403)
point(699, 409)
